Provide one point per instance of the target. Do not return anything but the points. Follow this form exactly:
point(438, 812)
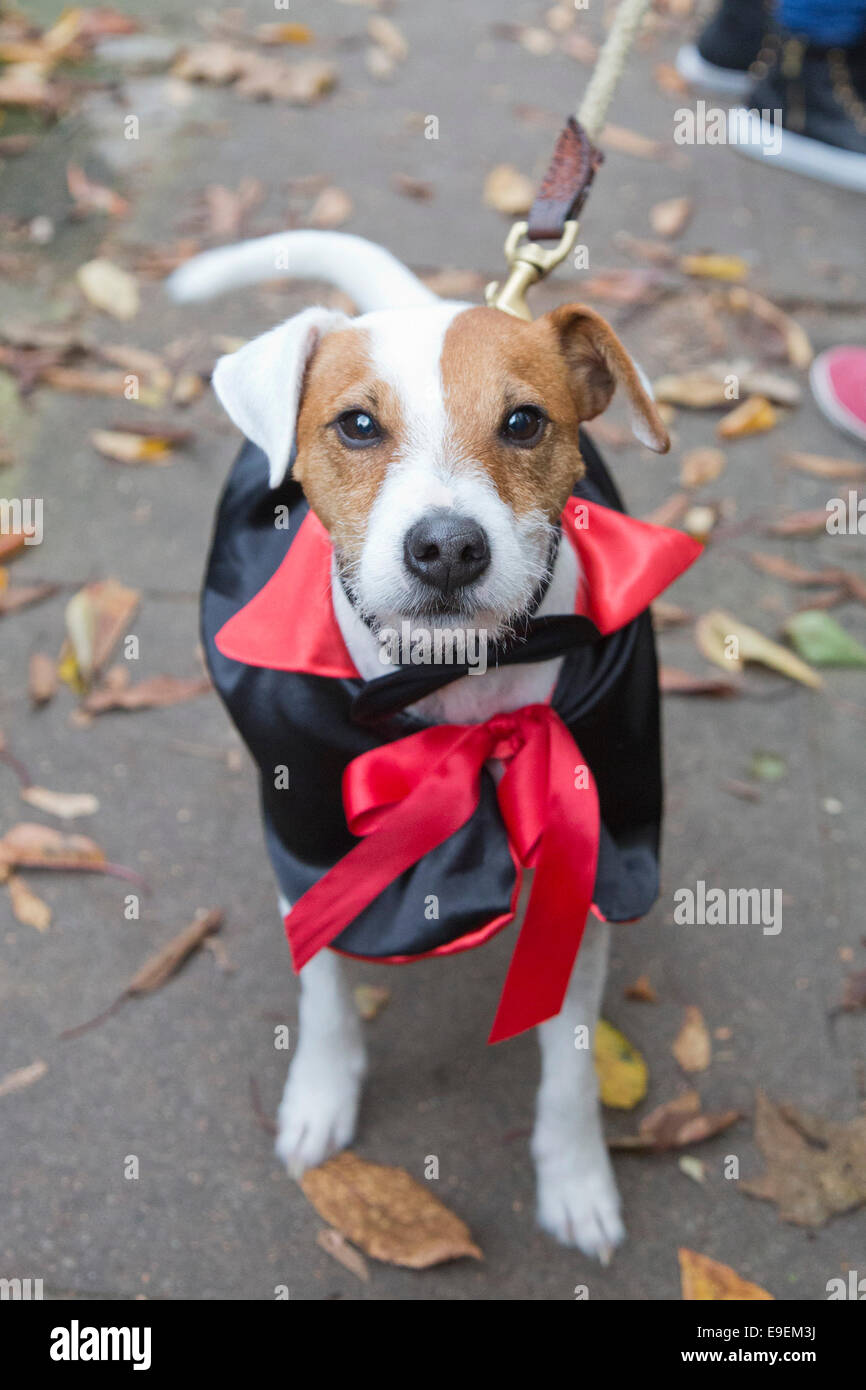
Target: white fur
point(260, 388)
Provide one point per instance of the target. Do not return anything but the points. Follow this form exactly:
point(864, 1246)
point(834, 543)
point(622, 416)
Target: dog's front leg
point(319, 1108)
point(577, 1197)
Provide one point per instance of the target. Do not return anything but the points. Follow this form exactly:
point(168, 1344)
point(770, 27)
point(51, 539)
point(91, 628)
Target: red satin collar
point(290, 624)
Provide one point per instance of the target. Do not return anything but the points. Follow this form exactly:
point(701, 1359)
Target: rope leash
point(553, 215)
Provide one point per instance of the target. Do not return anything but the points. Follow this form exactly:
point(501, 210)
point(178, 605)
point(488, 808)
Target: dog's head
point(437, 445)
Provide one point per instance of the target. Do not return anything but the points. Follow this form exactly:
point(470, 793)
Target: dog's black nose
point(446, 551)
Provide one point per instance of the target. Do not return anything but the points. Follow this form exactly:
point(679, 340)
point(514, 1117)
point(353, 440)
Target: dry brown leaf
point(96, 617)
point(728, 643)
point(670, 217)
point(808, 523)
point(109, 288)
point(123, 446)
point(389, 38)
point(370, 1000)
point(667, 614)
point(692, 1047)
point(167, 961)
point(751, 416)
point(641, 991)
point(451, 283)
point(88, 380)
point(625, 286)
point(22, 595)
point(214, 63)
point(331, 209)
point(156, 692)
point(676, 1124)
point(410, 187)
point(701, 466)
point(820, 466)
point(854, 991)
point(617, 137)
point(283, 33)
point(41, 678)
point(93, 197)
point(780, 567)
point(674, 681)
point(701, 389)
point(669, 81)
point(299, 84)
point(225, 210)
point(64, 805)
point(27, 906)
point(669, 512)
point(703, 1279)
point(23, 1077)
point(712, 266)
point(12, 543)
point(32, 846)
point(580, 48)
point(508, 191)
point(794, 338)
point(336, 1245)
point(387, 1213)
point(814, 1169)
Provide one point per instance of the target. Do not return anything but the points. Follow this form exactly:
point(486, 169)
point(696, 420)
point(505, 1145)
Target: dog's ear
point(259, 386)
point(599, 363)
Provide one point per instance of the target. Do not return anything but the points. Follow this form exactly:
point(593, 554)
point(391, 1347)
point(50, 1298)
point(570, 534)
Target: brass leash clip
point(528, 263)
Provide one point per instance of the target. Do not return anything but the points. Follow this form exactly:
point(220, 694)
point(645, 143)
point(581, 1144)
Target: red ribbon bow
point(406, 798)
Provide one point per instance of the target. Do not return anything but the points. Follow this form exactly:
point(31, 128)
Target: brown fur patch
point(342, 484)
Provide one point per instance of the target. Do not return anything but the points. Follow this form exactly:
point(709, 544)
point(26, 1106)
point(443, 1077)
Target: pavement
point(171, 1078)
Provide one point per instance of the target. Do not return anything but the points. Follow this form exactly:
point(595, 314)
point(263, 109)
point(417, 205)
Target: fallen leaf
point(641, 990)
point(712, 266)
point(386, 34)
point(701, 466)
point(693, 1168)
point(27, 906)
point(508, 191)
point(622, 1072)
point(22, 595)
point(454, 284)
point(410, 187)
point(336, 1245)
point(692, 1047)
point(814, 1169)
point(23, 1077)
point(93, 197)
point(670, 217)
point(728, 643)
point(41, 678)
point(32, 846)
point(667, 615)
point(700, 521)
point(387, 1213)
point(820, 466)
point(88, 380)
point(625, 286)
point(96, 618)
point(126, 447)
point(669, 512)
point(794, 338)
point(299, 84)
point(214, 63)
point(156, 692)
point(808, 523)
point(701, 389)
point(580, 48)
point(751, 416)
point(821, 640)
point(65, 805)
point(676, 1124)
point(370, 1000)
point(109, 288)
point(225, 210)
point(854, 991)
point(332, 208)
point(674, 681)
point(780, 567)
point(706, 1280)
point(669, 81)
point(160, 967)
point(617, 137)
point(767, 767)
point(283, 33)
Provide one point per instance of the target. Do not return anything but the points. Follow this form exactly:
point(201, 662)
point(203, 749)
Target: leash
point(575, 162)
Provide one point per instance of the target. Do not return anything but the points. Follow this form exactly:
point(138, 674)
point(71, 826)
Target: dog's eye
point(524, 426)
point(357, 428)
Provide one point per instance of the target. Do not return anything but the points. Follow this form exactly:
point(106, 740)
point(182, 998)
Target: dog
point(437, 443)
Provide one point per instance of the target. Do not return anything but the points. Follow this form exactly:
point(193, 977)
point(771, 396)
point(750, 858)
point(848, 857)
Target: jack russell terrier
point(419, 469)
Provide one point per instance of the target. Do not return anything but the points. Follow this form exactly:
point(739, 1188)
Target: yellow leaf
point(729, 643)
point(622, 1072)
point(692, 1047)
point(125, 447)
point(703, 1279)
point(714, 267)
point(749, 417)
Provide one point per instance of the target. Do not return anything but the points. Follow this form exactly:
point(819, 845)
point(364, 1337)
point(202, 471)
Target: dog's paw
point(317, 1114)
point(579, 1204)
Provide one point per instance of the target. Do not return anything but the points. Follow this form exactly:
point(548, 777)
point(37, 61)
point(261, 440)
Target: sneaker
point(728, 45)
point(838, 381)
point(821, 95)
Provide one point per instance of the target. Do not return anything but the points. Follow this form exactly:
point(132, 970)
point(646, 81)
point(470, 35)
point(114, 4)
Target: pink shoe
point(838, 381)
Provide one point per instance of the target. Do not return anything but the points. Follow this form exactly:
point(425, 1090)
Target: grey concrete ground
point(168, 1078)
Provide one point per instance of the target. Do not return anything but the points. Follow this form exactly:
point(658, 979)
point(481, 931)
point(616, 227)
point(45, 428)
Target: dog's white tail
point(371, 276)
